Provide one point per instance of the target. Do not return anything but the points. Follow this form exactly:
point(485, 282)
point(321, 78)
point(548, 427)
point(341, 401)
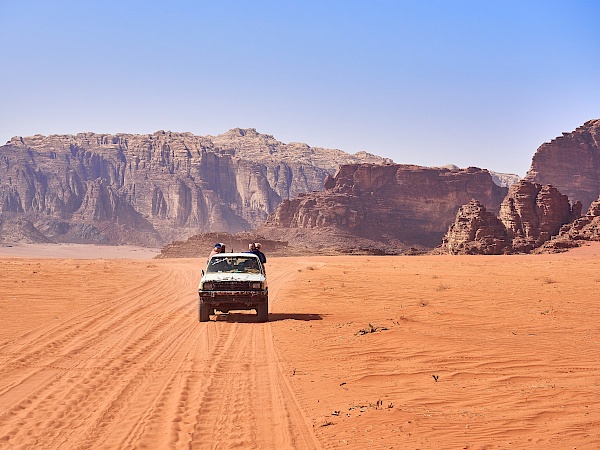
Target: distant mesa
point(501, 179)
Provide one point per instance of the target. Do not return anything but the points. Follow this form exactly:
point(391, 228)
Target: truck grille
point(233, 286)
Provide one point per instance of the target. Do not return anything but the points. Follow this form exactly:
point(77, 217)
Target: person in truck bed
point(218, 248)
point(257, 252)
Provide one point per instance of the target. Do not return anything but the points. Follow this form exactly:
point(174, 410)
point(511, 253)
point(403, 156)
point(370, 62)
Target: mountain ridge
point(154, 188)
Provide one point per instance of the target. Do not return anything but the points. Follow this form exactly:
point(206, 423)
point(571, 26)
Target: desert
point(423, 178)
point(388, 352)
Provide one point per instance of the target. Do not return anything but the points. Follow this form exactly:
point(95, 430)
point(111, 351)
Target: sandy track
point(110, 354)
point(131, 367)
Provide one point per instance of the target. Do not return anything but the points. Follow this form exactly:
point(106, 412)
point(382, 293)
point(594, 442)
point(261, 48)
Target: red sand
point(110, 354)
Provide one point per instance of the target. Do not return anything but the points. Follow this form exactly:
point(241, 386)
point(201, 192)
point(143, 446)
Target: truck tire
point(203, 311)
point(262, 312)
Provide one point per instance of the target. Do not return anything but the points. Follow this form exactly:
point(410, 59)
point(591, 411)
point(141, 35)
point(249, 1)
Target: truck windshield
point(233, 264)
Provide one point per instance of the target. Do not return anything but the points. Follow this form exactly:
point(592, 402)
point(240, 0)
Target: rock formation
point(200, 245)
point(395, 205)
point(533, 213)
point(586, 228)
point(476, 231)
point(571, 163)
point(151, 189)
point(529, 216)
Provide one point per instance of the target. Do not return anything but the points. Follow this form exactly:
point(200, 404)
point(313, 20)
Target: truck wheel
point(262, 312)
point(203, 311)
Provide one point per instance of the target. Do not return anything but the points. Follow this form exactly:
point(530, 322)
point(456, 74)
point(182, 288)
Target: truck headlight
point(257, 285)
point(207, 286)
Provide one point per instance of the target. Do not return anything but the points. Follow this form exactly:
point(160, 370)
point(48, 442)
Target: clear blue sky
point(480, 83)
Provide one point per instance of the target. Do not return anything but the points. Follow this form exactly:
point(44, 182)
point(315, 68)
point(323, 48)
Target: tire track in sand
point(57, 378)
point(139, 371)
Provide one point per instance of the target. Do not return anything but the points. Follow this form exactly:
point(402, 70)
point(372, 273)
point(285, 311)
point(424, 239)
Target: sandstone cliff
point(533, 213)
point(151, 189)
point(501, 179)
point(476, 231)
point(574, 234)
point(529, 216)
point(394, 205)
point(571, 163)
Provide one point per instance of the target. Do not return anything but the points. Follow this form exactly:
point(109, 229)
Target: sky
point(473, 83)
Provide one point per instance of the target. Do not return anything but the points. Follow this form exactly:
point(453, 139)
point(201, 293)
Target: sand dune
point(377, 352)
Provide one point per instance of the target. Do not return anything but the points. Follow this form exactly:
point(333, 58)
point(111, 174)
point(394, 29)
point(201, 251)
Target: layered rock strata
point(571, 163)
point(150, 189)
point(530, 215)
point(401, 205)
point(533, 213)
point(501, 179)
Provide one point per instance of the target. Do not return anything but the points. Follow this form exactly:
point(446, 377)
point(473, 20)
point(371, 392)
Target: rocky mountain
point(151, 189)
point(394, 206)
point(571, 163)
point(530, 215)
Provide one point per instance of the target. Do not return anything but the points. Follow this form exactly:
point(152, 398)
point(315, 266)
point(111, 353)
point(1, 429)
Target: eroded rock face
point(533, 213)
point(571, 163)
point(476, 231)
point(586, 228)
point(150, 189)
point(530, 215)
point(412, 205)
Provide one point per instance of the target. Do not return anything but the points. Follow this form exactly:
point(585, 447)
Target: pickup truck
point(233, 281)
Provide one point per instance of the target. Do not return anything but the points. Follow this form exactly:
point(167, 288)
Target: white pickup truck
point(233, 281)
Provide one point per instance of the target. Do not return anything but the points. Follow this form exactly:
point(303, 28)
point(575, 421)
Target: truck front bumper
point(233, 299)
